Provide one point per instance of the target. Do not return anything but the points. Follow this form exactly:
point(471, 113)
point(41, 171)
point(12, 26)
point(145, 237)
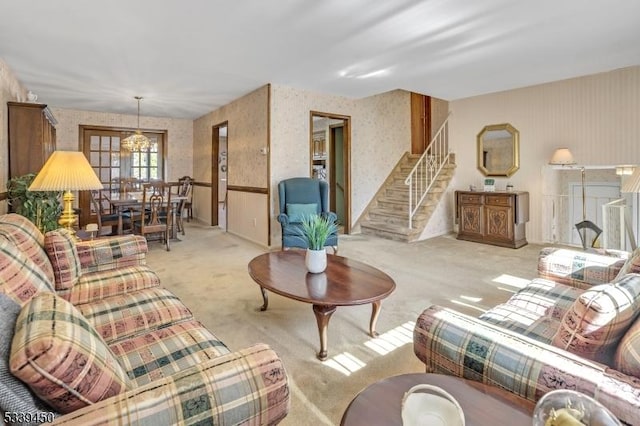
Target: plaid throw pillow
point(26, 237)
point(61, 356)
point(61, 249)
point(628, 353)
point(20, 277)
point(15, 396)
point(597, 320)
point(631, 266)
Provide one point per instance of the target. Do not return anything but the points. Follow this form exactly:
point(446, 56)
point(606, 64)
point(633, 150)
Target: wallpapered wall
point(10, 90)
point(248, 126)
point(595, 116)
point(380, 134)
point(179, 134)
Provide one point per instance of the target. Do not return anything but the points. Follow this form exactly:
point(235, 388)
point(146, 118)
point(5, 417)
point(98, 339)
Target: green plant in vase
point(43, 208)
point(316, 229)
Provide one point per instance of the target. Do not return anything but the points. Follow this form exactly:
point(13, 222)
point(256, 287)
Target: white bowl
point(437, 408)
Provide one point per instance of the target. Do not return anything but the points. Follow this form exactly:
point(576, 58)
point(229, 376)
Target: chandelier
point(137, 141)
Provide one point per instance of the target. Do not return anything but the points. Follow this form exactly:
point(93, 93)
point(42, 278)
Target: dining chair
point(130, 185)
point(104, 216)
point(153, 217)
point(185, 187)
point(188, 205)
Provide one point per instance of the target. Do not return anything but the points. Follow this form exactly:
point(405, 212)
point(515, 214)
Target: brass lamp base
point(68, 217)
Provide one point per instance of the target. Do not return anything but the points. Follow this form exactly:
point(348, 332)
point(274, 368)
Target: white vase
point(316, 261)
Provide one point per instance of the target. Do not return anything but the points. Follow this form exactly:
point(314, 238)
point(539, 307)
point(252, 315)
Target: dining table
point(122, 201)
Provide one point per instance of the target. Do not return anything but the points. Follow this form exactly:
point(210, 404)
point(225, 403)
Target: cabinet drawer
point(471, 198)
point(499, 200)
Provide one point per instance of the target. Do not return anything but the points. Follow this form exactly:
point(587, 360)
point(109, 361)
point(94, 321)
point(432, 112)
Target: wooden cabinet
point(32, 137)
point(497, 218)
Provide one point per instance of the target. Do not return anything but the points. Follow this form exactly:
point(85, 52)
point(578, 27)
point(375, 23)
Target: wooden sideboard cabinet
point(32, 137)
point(497, 218)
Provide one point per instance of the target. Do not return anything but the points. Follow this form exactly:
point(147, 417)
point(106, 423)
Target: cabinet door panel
point(471, 219)
point(31, 137)
point(499, 223)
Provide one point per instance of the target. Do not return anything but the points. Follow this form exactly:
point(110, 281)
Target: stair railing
point(427, 169)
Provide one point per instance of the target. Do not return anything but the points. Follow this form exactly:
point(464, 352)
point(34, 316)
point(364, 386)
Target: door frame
point(332, 170)
point(215, 175)
point(347, 159)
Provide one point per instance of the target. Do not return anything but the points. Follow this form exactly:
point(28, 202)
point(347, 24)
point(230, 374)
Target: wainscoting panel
point(248, 216)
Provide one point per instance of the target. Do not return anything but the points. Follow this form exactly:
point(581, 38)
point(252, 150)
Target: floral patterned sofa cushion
point(61, 357)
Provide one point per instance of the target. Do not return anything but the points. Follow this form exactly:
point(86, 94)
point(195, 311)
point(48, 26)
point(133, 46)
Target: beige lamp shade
point(632, 183)
point(562, 157)
point(66, 170)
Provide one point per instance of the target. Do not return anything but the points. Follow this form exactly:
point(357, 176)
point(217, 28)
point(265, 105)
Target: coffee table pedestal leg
point(323, 314)
point(375, 311)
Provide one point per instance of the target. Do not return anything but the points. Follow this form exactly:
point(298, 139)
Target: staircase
point(403, 206)
point(387, 216)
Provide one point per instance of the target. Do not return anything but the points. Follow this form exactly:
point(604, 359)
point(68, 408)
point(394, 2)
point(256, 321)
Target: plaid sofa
point(514, 345)
point(99, 341)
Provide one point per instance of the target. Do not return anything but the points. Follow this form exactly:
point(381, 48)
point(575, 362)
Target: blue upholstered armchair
point(300, 197)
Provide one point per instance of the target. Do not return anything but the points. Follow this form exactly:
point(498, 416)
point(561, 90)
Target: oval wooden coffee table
point(483, 405)
point(345, 282)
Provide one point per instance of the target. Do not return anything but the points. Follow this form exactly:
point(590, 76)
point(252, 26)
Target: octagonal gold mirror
point(499, 150)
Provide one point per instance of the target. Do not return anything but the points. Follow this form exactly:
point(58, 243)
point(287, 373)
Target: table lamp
point(66, 171)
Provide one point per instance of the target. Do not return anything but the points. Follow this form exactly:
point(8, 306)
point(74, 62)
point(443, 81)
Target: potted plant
point(43, 208)
point(316, 229)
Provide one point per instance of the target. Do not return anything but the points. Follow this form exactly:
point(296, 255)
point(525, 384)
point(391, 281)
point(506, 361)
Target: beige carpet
point(208, 271)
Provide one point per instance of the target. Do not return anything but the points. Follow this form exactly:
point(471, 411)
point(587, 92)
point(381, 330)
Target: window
point(146, 164)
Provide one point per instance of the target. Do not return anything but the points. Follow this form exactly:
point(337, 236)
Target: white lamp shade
point(562, 157)
point(632, 183)
point(66, 170)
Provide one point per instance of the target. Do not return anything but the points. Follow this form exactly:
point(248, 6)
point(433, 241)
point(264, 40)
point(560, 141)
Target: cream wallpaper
point(10, 90)
point(179, 134)
point(595, 116)
point(247, 134)
point(380, 134)
point(248, 126)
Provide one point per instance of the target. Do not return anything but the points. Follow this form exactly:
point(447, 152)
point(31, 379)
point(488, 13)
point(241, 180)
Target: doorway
point(114, 164)
point(330, 161)
point(219, 171)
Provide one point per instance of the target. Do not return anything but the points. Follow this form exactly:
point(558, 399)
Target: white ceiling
point(189, 57)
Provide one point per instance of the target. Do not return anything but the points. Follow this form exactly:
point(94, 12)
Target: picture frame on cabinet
point(489, 185)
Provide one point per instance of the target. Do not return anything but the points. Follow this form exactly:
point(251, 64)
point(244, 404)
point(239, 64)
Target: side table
point(483, 405)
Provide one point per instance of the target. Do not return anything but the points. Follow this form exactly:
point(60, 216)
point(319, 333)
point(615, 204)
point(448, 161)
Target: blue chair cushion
point(297, 212)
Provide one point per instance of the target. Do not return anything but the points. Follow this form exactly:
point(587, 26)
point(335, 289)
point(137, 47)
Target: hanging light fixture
point(137, 141)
